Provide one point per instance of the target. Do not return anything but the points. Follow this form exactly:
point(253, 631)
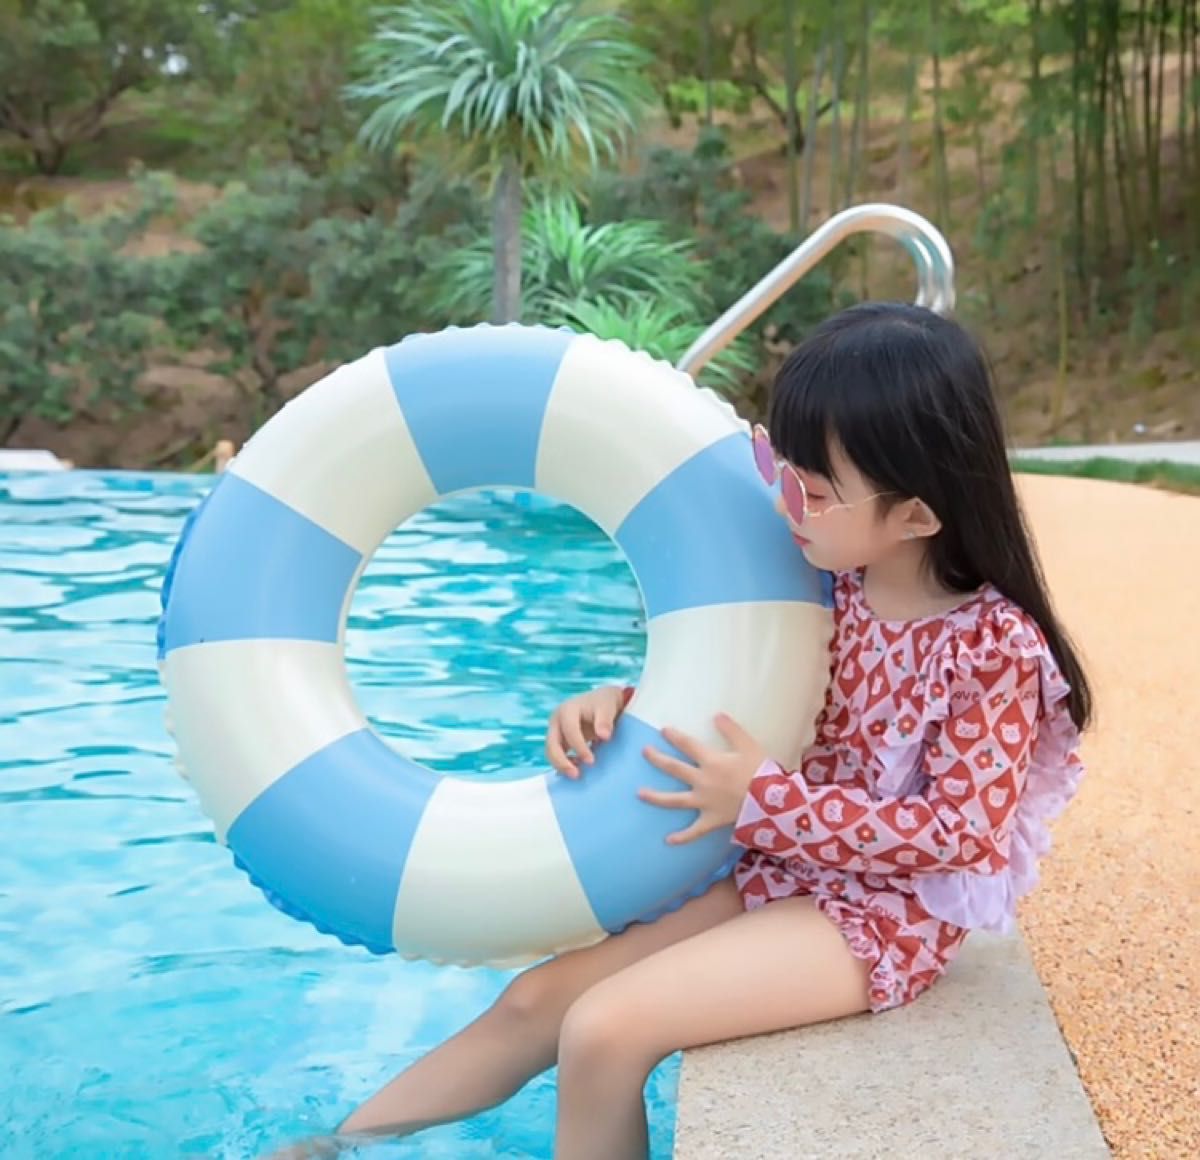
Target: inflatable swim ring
point(340, 829)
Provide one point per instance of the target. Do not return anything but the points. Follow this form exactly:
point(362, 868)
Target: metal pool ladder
point(925, 244)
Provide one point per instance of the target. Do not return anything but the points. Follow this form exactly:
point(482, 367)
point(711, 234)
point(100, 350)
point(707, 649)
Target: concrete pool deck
point(977, 1068)
point(1113, 931)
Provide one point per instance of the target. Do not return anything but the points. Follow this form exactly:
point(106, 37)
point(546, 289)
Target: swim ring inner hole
point(479, 615)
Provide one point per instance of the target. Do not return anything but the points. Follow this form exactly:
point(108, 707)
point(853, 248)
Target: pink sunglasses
point(795, 495)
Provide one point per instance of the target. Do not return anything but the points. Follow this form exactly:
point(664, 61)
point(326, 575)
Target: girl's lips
point(801, 540)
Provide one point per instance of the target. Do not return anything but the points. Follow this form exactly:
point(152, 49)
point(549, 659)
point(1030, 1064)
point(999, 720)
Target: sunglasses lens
point(795, 501)
point(764, 456)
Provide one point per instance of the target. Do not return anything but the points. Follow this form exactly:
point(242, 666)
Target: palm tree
point(519, 88)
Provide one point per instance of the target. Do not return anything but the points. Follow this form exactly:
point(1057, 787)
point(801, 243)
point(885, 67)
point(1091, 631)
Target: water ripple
point(151, 1003)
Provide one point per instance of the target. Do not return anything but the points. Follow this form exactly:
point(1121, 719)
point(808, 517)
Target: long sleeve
point(976, 758)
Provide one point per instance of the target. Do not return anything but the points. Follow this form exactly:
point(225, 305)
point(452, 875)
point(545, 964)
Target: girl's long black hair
point(908, 396)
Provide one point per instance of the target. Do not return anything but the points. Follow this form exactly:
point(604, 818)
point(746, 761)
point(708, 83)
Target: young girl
point(948, 738)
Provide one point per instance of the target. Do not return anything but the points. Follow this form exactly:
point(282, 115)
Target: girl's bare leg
point(782, 965)
point(516, 1038)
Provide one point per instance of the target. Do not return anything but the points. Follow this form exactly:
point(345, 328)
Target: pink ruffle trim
point(889, 984)
point(988, 902)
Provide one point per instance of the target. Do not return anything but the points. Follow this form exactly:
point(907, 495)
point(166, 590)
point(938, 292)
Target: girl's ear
point(917, 520)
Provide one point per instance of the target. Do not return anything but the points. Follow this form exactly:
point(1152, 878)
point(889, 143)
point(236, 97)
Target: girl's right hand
point(578, 723)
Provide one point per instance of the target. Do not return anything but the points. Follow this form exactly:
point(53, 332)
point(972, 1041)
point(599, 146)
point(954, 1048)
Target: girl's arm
point(976, 764)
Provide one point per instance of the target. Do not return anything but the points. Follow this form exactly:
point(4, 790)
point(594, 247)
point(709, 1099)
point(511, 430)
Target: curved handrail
point(925, 244)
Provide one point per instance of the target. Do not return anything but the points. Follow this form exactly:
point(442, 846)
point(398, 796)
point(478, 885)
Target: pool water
point(152, 1004)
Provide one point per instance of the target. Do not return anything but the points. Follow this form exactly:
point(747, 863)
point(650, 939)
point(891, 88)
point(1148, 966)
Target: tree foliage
point(287, 275)
point(297, 64)
point(64, 64)
point(696, 195)
point(78, 313)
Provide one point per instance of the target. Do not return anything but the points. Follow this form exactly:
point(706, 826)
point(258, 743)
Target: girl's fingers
point(602, 725)
point(737, 737)
point(572, 731)
point(677, 769)
point(698, 829)
point(555, 751)
point(686, 744)
point(674, 800)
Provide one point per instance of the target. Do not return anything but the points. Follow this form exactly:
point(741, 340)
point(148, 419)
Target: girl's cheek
point(839, 551)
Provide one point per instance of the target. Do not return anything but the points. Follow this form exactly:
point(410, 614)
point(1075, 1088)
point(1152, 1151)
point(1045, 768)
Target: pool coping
point(977, 1067)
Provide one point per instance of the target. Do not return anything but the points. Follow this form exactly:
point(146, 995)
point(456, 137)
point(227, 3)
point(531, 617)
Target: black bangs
point(801, 420)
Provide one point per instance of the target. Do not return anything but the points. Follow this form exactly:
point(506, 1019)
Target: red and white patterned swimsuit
point(919, 811)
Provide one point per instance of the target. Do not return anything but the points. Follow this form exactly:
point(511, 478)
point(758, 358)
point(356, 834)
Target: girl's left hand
point(717, 781)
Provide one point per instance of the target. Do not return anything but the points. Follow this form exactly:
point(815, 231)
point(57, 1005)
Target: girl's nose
point(779, 508)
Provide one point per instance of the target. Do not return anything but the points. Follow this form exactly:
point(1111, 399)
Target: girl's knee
point(528, 998)
point(538, 997)
point(601, 1027)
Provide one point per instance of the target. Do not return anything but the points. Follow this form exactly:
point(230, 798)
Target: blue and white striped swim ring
point(342, 830)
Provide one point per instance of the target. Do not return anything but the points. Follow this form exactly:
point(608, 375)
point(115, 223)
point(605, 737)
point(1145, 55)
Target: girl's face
point(846, 527)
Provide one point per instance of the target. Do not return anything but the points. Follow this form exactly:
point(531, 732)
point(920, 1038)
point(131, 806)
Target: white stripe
point(765, 664)
point(342, 455)
point(617, 423)
point(489, 878)
point(247, 711)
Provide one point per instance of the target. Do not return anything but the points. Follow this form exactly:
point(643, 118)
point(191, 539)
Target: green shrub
point(568, 260)
point(78, 313)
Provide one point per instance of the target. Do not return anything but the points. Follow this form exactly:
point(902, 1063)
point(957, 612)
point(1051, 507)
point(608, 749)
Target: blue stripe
point(618, 843)
point(474, 401)
point(252, 567)
point(160, 631)
point(709, 534)
point(333, 834)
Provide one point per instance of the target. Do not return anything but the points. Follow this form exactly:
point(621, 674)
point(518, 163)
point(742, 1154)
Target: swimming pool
point(151, 1003)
